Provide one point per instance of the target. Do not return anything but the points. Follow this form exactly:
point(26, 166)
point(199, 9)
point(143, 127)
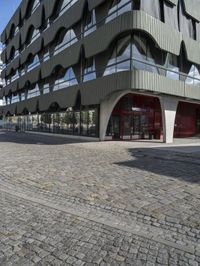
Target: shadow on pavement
point(36, 139)
point(182, 162)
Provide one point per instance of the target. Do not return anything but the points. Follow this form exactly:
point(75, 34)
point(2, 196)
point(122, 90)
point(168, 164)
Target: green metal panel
point(33, 49)
point(32, 77)
point(67, 20)
point(13, 66)
point(192, 50)
point(192, 8)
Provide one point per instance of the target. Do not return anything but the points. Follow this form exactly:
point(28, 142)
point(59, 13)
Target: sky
point(7, 9)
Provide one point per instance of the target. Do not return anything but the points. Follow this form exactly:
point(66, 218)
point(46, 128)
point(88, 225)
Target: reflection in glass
point(193, 77)
point(68, 39)
point(172, 67)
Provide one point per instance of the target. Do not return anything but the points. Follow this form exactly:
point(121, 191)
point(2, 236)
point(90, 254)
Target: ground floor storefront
point(133, 117)
point(82, 122)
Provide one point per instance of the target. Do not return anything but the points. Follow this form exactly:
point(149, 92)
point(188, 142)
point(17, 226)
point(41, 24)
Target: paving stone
point(112, 203)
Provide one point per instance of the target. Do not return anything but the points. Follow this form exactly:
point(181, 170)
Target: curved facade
point(68, 64)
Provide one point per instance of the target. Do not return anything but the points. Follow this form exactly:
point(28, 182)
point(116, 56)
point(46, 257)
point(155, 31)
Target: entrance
point(135, 117)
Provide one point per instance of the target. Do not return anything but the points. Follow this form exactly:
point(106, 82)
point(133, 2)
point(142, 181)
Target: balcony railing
point(127, 65)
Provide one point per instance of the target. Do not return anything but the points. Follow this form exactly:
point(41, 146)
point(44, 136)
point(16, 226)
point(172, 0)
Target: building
point(108, 69)
point(1, 68)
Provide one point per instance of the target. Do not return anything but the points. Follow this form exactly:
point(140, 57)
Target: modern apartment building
point(110, 69)
point(1, 68)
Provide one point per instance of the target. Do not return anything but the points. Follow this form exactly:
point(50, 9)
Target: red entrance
point(136, 117)
point(187, 122)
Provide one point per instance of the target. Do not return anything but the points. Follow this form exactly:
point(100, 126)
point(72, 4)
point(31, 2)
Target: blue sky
point(7, 9)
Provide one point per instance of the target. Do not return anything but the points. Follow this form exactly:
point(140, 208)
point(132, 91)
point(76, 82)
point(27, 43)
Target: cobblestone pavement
point(87, 203)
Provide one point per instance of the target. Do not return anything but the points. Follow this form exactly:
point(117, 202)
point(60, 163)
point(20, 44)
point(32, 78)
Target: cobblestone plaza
point(92, 203)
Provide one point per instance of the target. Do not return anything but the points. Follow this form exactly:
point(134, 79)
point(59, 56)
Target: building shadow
point(180, 162)
point(37, 139)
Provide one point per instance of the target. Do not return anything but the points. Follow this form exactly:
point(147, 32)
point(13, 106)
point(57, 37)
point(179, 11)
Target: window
point(89, 121)
point(46, 55)
point(15, 76)
point(46, 88)
point(89, 70)
point(118, 7)
point(35, 62)
point(16, 53)
point(69, 39)
point(90, 23)
point(120, 58)
point(172, 67)
point(35, 6)
point(16, 30)
point(5, 100)
point(15, 98)
point(34, 92)
point(69, 79)
point(193, 76)
point(23, 96)
point(66, 5)
point(22, 72)
point(32, 36)
point(143, 54)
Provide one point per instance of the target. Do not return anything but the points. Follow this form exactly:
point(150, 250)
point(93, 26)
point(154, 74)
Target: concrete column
point(169, 106)
point(106, 108)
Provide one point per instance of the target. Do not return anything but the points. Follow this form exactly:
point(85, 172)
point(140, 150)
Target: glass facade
point(84, 122)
